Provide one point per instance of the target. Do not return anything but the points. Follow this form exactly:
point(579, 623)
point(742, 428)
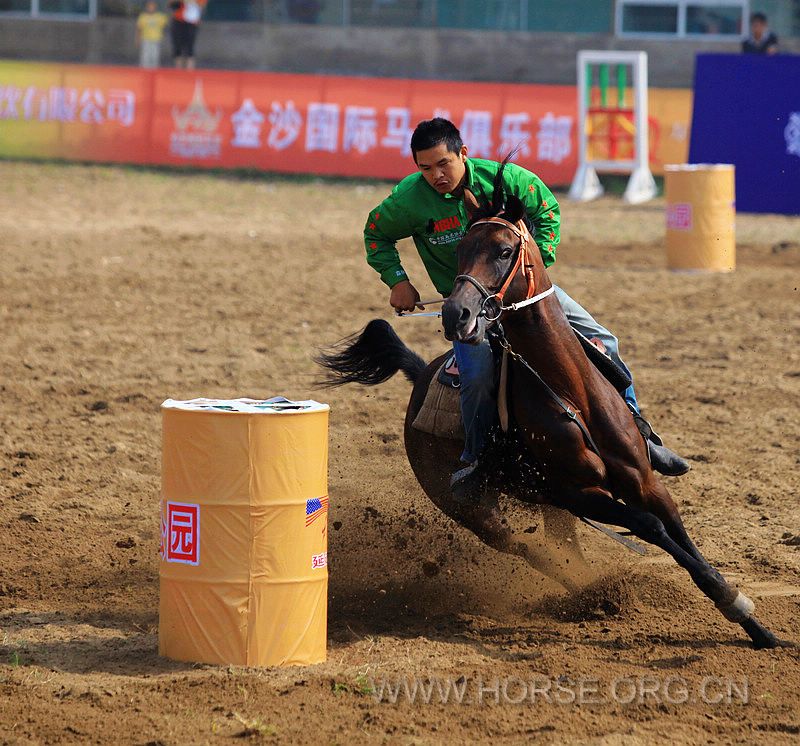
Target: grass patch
point(361, 686)
point(254, 727)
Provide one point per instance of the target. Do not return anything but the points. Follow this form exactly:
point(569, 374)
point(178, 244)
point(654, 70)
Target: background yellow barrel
point(244, 532)
point(701, 216)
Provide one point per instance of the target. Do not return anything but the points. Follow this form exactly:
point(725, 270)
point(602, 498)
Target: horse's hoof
point(762, 638)
point(767, 643)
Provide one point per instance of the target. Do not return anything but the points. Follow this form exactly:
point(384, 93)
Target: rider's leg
point(479, 414)
point(579, 318)
point(477, 393)
point(662, 458)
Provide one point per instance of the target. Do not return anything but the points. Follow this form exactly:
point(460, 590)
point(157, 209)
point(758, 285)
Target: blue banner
point(747, 112)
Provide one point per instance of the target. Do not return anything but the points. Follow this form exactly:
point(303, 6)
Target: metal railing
point(499, 15)
point(80, 10)
point(695, 17)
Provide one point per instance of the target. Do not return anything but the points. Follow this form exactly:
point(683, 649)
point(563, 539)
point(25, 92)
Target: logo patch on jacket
point(446, 224)
point(444, 231)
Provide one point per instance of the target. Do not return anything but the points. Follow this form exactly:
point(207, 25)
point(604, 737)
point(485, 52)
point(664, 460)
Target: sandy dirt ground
point(120, 288)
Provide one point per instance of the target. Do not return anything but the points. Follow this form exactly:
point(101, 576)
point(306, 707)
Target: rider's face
point(441, 168)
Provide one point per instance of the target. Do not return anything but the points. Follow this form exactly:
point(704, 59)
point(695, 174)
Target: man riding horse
point(428, 206)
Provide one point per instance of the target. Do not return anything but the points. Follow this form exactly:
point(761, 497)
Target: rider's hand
point(598, 343)
point(404, 297)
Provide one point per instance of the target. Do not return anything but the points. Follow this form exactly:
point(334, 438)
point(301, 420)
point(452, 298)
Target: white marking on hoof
point(740, 608)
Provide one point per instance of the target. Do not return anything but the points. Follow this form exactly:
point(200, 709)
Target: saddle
point(440, 413)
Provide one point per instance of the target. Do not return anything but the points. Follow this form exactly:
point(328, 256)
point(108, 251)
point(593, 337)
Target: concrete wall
point(413, 53)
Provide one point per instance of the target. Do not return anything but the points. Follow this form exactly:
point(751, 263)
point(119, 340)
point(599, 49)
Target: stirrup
point(645, 428)
point(468, 484)
point(662, 459)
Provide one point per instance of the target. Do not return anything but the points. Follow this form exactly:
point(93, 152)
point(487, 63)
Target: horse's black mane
point(496, 206)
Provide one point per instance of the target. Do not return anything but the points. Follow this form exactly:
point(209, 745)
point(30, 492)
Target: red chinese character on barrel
point(183, 533)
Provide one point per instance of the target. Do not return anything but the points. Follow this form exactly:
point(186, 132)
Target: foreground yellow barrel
point(244, 532)
point(701, 217)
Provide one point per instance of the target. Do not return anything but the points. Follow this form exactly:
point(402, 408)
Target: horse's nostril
point(465, 314)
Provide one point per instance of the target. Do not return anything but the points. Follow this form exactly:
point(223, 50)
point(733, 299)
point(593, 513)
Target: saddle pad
point(440, 413)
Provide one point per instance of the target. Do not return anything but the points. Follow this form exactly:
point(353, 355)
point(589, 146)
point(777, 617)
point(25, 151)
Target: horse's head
point(497, 261)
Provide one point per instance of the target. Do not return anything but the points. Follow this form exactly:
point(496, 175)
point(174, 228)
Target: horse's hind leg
point(567, 567)
point(433, 459)
point(561, 530)
point(732, 604)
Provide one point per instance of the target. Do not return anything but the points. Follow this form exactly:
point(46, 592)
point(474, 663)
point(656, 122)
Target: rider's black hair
point(758, 16)
point(431, 132)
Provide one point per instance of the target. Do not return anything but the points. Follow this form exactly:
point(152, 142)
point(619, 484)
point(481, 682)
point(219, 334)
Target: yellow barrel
point(701, 216)
point(244, 532)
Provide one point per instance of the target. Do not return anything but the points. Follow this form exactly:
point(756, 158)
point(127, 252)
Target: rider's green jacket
point(437, 222)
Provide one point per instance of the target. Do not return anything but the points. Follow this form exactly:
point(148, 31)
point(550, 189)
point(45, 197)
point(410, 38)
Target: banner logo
point(792, 134)
point(195, 134)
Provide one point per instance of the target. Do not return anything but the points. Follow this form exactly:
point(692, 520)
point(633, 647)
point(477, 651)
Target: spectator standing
point(762, 40)
point(185, 21)
point(149, 33)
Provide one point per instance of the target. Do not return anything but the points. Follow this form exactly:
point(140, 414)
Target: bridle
point(522, 261)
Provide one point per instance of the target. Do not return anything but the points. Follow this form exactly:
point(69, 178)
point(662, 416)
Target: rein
point(522, 261)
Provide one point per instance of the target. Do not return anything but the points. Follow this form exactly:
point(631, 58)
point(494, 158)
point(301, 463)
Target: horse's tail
point(370, 358)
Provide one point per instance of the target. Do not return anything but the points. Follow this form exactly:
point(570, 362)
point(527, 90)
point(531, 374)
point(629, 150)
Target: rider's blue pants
point(476, 371)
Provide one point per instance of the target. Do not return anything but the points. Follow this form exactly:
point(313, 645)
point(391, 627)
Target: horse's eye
point(506, 252)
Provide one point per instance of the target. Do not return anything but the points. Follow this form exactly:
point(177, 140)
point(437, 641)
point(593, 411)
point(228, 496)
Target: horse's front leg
point(734, 605)
point(652, 497)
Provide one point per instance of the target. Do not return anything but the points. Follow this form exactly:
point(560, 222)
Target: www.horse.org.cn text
point(561, 690)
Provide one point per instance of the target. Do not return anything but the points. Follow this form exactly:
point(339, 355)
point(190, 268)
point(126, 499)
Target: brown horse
point(374, 356)
point(573, 425)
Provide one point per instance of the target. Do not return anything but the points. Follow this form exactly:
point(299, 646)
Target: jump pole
point(586, 185)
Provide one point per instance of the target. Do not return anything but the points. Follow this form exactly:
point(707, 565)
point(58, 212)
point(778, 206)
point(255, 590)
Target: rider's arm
point(542, 208)
point(386, 225)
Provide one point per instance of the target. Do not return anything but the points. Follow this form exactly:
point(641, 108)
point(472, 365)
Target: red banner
point(276, 122)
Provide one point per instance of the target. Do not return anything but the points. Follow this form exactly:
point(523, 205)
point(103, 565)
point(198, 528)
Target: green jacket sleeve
point(386, 225)
point(542, 208)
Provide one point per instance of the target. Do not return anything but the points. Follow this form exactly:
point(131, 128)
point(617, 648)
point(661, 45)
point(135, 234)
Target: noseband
point(522, 261)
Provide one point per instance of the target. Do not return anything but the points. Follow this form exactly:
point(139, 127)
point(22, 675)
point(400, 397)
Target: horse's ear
point(515, 209)
point(471, 203)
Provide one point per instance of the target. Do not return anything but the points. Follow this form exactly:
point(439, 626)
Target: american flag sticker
point(315, 508)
